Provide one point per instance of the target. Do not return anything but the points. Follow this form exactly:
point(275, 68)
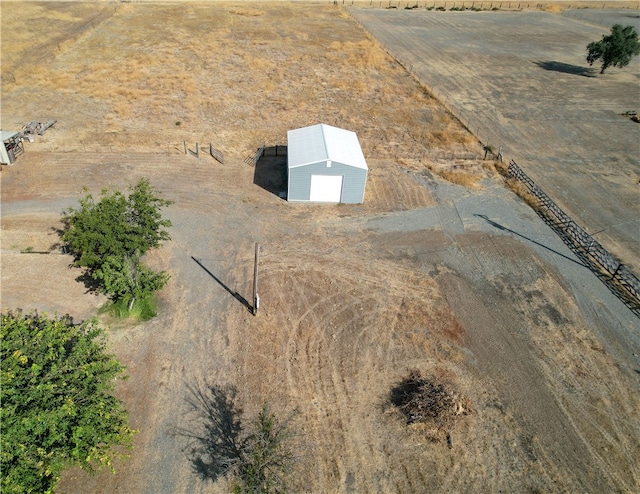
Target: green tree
point(57, 404)
point(266, 455)
point(616, 49)
point(128, 280)
point(109, 237)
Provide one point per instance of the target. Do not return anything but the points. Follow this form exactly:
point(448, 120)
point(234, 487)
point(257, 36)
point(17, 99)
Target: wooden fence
point(618, 277)
point(215, 153)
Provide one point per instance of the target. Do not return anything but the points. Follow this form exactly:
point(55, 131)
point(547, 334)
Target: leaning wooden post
point(256, 297)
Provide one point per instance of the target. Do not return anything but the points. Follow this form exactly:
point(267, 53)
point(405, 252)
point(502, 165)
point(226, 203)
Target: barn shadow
point(270, 171)
point(567, 68)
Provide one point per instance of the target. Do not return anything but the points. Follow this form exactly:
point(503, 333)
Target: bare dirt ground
point(461, 282)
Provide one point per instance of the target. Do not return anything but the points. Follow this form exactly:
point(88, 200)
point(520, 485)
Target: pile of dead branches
point(430, 402)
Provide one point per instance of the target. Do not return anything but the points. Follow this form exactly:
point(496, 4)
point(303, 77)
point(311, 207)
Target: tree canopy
point(57, 404)
point(109, 237)
point(615, 49)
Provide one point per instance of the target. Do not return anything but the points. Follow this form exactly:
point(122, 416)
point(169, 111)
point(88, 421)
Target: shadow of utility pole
point(236, 295)
point(504, 228)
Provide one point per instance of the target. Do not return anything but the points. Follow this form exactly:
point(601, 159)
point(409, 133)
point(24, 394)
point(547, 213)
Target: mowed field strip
point(520, 80)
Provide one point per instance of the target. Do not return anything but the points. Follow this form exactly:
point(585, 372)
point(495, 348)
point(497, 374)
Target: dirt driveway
point(462, 283)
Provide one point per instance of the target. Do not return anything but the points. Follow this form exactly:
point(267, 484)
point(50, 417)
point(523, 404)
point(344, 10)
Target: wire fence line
point(615, 275)
point(618, 277)
point(469, 119)
point(475, 5)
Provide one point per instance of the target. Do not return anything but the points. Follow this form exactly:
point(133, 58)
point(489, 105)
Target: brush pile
point(430, 402)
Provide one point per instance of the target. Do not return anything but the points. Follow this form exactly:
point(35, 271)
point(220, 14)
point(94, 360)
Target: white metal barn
point(325, 164)
point(10, 146)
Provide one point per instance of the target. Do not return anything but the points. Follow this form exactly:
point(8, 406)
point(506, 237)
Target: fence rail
point(618, 277)
point(216, 154)
point(252, 159)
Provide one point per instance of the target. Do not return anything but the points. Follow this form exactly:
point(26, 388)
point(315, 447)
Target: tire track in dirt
point(317, 377)
point(590, 388)
point(341, 341)
point(503, 356)
point(42, 52)
point(577, 381)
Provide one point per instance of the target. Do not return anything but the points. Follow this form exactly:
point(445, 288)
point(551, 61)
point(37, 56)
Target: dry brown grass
point(461, 178)
point(522, 191)
point(233, 75)
point(553, 8)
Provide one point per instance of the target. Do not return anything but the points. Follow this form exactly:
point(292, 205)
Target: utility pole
point(256, 297)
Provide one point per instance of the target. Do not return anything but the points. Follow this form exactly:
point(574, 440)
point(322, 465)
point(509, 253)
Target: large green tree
point(615, 49)
point(109, 237)
point(57, 403)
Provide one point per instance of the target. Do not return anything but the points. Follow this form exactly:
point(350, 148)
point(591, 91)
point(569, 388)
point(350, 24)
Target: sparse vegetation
point(319, 341)
point(460, 178)
point(266, 456)
point(256, 456)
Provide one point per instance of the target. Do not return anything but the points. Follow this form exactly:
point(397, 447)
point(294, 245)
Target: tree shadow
point(567, 68)
point(92, 286)
point(213, 435)
point(236, 295)
point(270, 171)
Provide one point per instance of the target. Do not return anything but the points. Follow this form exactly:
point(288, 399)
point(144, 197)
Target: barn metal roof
point(5, 135)
point(323, 142)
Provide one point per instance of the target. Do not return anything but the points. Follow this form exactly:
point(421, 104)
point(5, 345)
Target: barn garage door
point(325, 188)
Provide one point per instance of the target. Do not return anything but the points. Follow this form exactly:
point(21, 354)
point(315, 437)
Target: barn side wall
point(353, 184)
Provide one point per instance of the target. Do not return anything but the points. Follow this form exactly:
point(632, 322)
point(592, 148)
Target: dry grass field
point(236, 77)
point(348, 308)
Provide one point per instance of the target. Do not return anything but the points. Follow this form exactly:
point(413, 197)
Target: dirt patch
point(347, 308)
